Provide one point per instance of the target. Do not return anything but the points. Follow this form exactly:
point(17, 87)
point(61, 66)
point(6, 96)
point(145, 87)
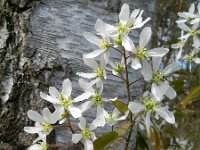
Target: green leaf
point(105, 140)
point(121, 106)
point(190, 97)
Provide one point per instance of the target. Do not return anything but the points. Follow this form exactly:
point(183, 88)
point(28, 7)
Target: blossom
point(196, 19)
point(158, 76)
point(62, 100)
point(141, 52)
point(86, 134)
point(191, 32)
point(41, 145)
point(95, 100)
point(112, 119)
point(130, 21)
point(103, 43)
point(190, 58)
point(43, 123)
point(117, 68)
point(150, 105)
point(99, 70)
point(187, 16)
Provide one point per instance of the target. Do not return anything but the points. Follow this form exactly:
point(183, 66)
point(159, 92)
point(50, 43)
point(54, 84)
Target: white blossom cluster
point(134, 56)
point(190, 31)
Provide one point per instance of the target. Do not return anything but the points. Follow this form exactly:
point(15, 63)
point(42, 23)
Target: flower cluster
point(111, 39)
point(189, 24)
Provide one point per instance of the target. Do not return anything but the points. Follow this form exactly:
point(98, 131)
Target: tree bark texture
point(40, 45)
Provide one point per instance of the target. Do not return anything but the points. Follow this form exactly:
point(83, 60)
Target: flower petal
point(91, 38)
point(82, 123)
point(76, 138)
point(165, 114)
point(86, 75)
point(35, 116)
point(196, 60)
point(124, 14)
point(88, 145)
point(32, 129)
point(156, 63)
point(128, 44)
point(157, 52)
point(66, 88)
point(171, 93)
point(90, 62)
point(85, 106)
point(170, 69)
point(135, 107)
point(49, 98)
point(93, 54)
point(75, 112)
point(54, 92)
point(146, 71)
point(136, 64)
point(83, 96)
point(145, 37)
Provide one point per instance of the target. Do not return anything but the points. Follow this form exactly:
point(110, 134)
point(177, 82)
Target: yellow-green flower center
point(123, 29)
point(189, 58)
point(148, 103)
point(86, 134)
point(97, 100)
point(193, 32)
point(141, 53)
point(157, 77)
point(104, 44)
point(65, 102)
point(181, 43)
point(99, 72)
point(64, 114)
point(44, 146)
point(46, 127)
point(110, 118)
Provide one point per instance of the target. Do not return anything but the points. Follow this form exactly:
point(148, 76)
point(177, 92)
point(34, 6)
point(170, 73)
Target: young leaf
point(121, 106)
point(105, 140)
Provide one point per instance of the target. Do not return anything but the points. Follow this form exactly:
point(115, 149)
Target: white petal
point(196, 60)
point(85, 106)
point(34, 147)
point(171, 93)
point(46, 114)
point(103, 27)
point(66, 88)
point(179, 54)
point(196, 20)
point(192, 8)
point(49, 98)
point(156, 63)
point(136, 64)
point(86, 75)
point(75, 112)
point(146, 71)
point(92, 38)
point(32, 129)
point(93, 54)
point(170, 69)
point(100, 119)
point(88, 145)
point(54, 92)
point(35, 116)
point(93, 136)
point(165, 114)
point(56, 115)
point(128, 44)
point(123, 117)
point(83, 96)
point(157, 52)
point(196, 42)
point(157, 93)
point(145, 37)
point(184, 27)
point(76, 138)
point(90, 62)
point(82, 123)
point(87, 86)
point(124, 14)
point(135, 107)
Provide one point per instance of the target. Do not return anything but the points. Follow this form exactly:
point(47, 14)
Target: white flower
point(95, 100)
point(117, 68)
point(99, 71)
point(149, 105)
point(190, 58)
point(196, 18)
point(141, 52)
point(130, 21)
point(103, 43)
point(187, 16)
point(191, 32)
point(112, 119)
point(179, 46)
point(86, 134)
point(62, 100)
point(43, 123)
point(158, 77)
